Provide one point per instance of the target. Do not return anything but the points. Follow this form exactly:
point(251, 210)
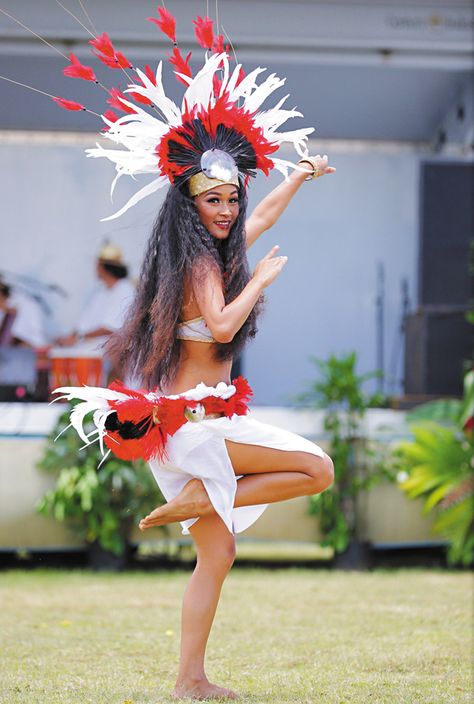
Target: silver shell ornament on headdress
point(217, 164)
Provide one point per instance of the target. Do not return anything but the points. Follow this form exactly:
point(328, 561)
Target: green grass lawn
point(293, 635)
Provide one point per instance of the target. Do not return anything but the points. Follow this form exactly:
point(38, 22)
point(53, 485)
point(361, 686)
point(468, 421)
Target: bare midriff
point(197, 364)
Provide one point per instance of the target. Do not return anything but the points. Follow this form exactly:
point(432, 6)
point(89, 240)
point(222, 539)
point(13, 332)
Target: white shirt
point(28, 325)
point(106, 307)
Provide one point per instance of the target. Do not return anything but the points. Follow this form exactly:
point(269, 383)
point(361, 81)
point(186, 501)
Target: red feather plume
point(218, 46)
point(166, 23)
point(171, 413)
point(78, 70)
point(68, 104)
point(150, 74)
point(243, 395)
point(103, 45)
point(181, 64)
point(115, 101)
point(137, 408)
point(111, 116)
point(106, 53)
point(119, 61)
point(203, 29)
point(241, 76)
point(222, 113)
point(122, 61)
point(139, 98)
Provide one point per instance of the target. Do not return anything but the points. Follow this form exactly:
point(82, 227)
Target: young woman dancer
point(196, 306)
point(266, 474)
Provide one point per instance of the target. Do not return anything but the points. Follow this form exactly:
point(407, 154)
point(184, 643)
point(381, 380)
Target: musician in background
point(105, 310)
point(21, 319)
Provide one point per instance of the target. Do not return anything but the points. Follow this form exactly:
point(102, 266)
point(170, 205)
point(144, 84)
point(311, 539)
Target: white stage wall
point(336, 232)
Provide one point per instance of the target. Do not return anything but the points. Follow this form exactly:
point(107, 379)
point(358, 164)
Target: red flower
point(115, 101)
point(469, 424)
point(181, 64)
point(204, 31)
point(166, 23)
point(107, 54)
point(68, 104)
point(77, 70)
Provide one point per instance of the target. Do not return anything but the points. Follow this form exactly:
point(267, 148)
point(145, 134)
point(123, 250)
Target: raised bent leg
point(270, 475)
point(215, 548)
point(277, 475)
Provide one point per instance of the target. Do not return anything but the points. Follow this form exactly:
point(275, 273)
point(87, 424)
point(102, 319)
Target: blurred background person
point(105, 310)
point(21, 319)
point(7, 315)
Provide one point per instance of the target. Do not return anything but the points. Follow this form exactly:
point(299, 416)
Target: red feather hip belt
point(136, 424)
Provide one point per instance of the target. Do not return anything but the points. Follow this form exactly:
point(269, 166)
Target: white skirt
point(198, 450)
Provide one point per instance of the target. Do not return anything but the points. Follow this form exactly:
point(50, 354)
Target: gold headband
point(200, 183)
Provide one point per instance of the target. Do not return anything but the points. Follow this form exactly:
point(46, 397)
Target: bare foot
point(192, 502)
point(202, 689)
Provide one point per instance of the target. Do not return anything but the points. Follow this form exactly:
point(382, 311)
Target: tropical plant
point(101, 502)
point(358, 464)
point(438, 465)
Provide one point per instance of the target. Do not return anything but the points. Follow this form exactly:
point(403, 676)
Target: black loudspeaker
point(446, 233)
point(438, 343)
point(438, 338)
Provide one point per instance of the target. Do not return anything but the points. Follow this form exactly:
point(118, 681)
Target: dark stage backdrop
point(439, 340)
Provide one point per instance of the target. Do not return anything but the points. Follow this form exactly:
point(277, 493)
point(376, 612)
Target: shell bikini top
point(195, 330)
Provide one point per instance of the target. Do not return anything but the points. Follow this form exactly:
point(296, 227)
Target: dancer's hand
point(269, 267)
point(316, 165)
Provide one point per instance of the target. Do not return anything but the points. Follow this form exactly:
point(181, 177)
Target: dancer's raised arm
point(271, 207)
point(224, 321)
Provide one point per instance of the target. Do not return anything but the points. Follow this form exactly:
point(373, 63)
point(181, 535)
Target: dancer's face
point(218, 209)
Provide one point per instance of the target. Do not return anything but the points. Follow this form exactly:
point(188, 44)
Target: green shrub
point(358, 464)
point(438, 465)
point(101, 502)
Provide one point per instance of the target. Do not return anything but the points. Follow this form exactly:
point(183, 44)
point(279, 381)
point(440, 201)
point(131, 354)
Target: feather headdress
point(219, 129)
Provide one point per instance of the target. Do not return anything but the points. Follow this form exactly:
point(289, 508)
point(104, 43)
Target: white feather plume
point(139, 133)
point(93, 400)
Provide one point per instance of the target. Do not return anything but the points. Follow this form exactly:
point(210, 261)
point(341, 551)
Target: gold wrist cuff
point(314, 163)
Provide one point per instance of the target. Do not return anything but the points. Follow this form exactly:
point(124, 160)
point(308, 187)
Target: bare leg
point(215, 554)
point(270, 479)
point(271, 475)
point(277, 475)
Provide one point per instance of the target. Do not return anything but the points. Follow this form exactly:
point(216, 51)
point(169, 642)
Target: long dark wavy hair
point(180, 248)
